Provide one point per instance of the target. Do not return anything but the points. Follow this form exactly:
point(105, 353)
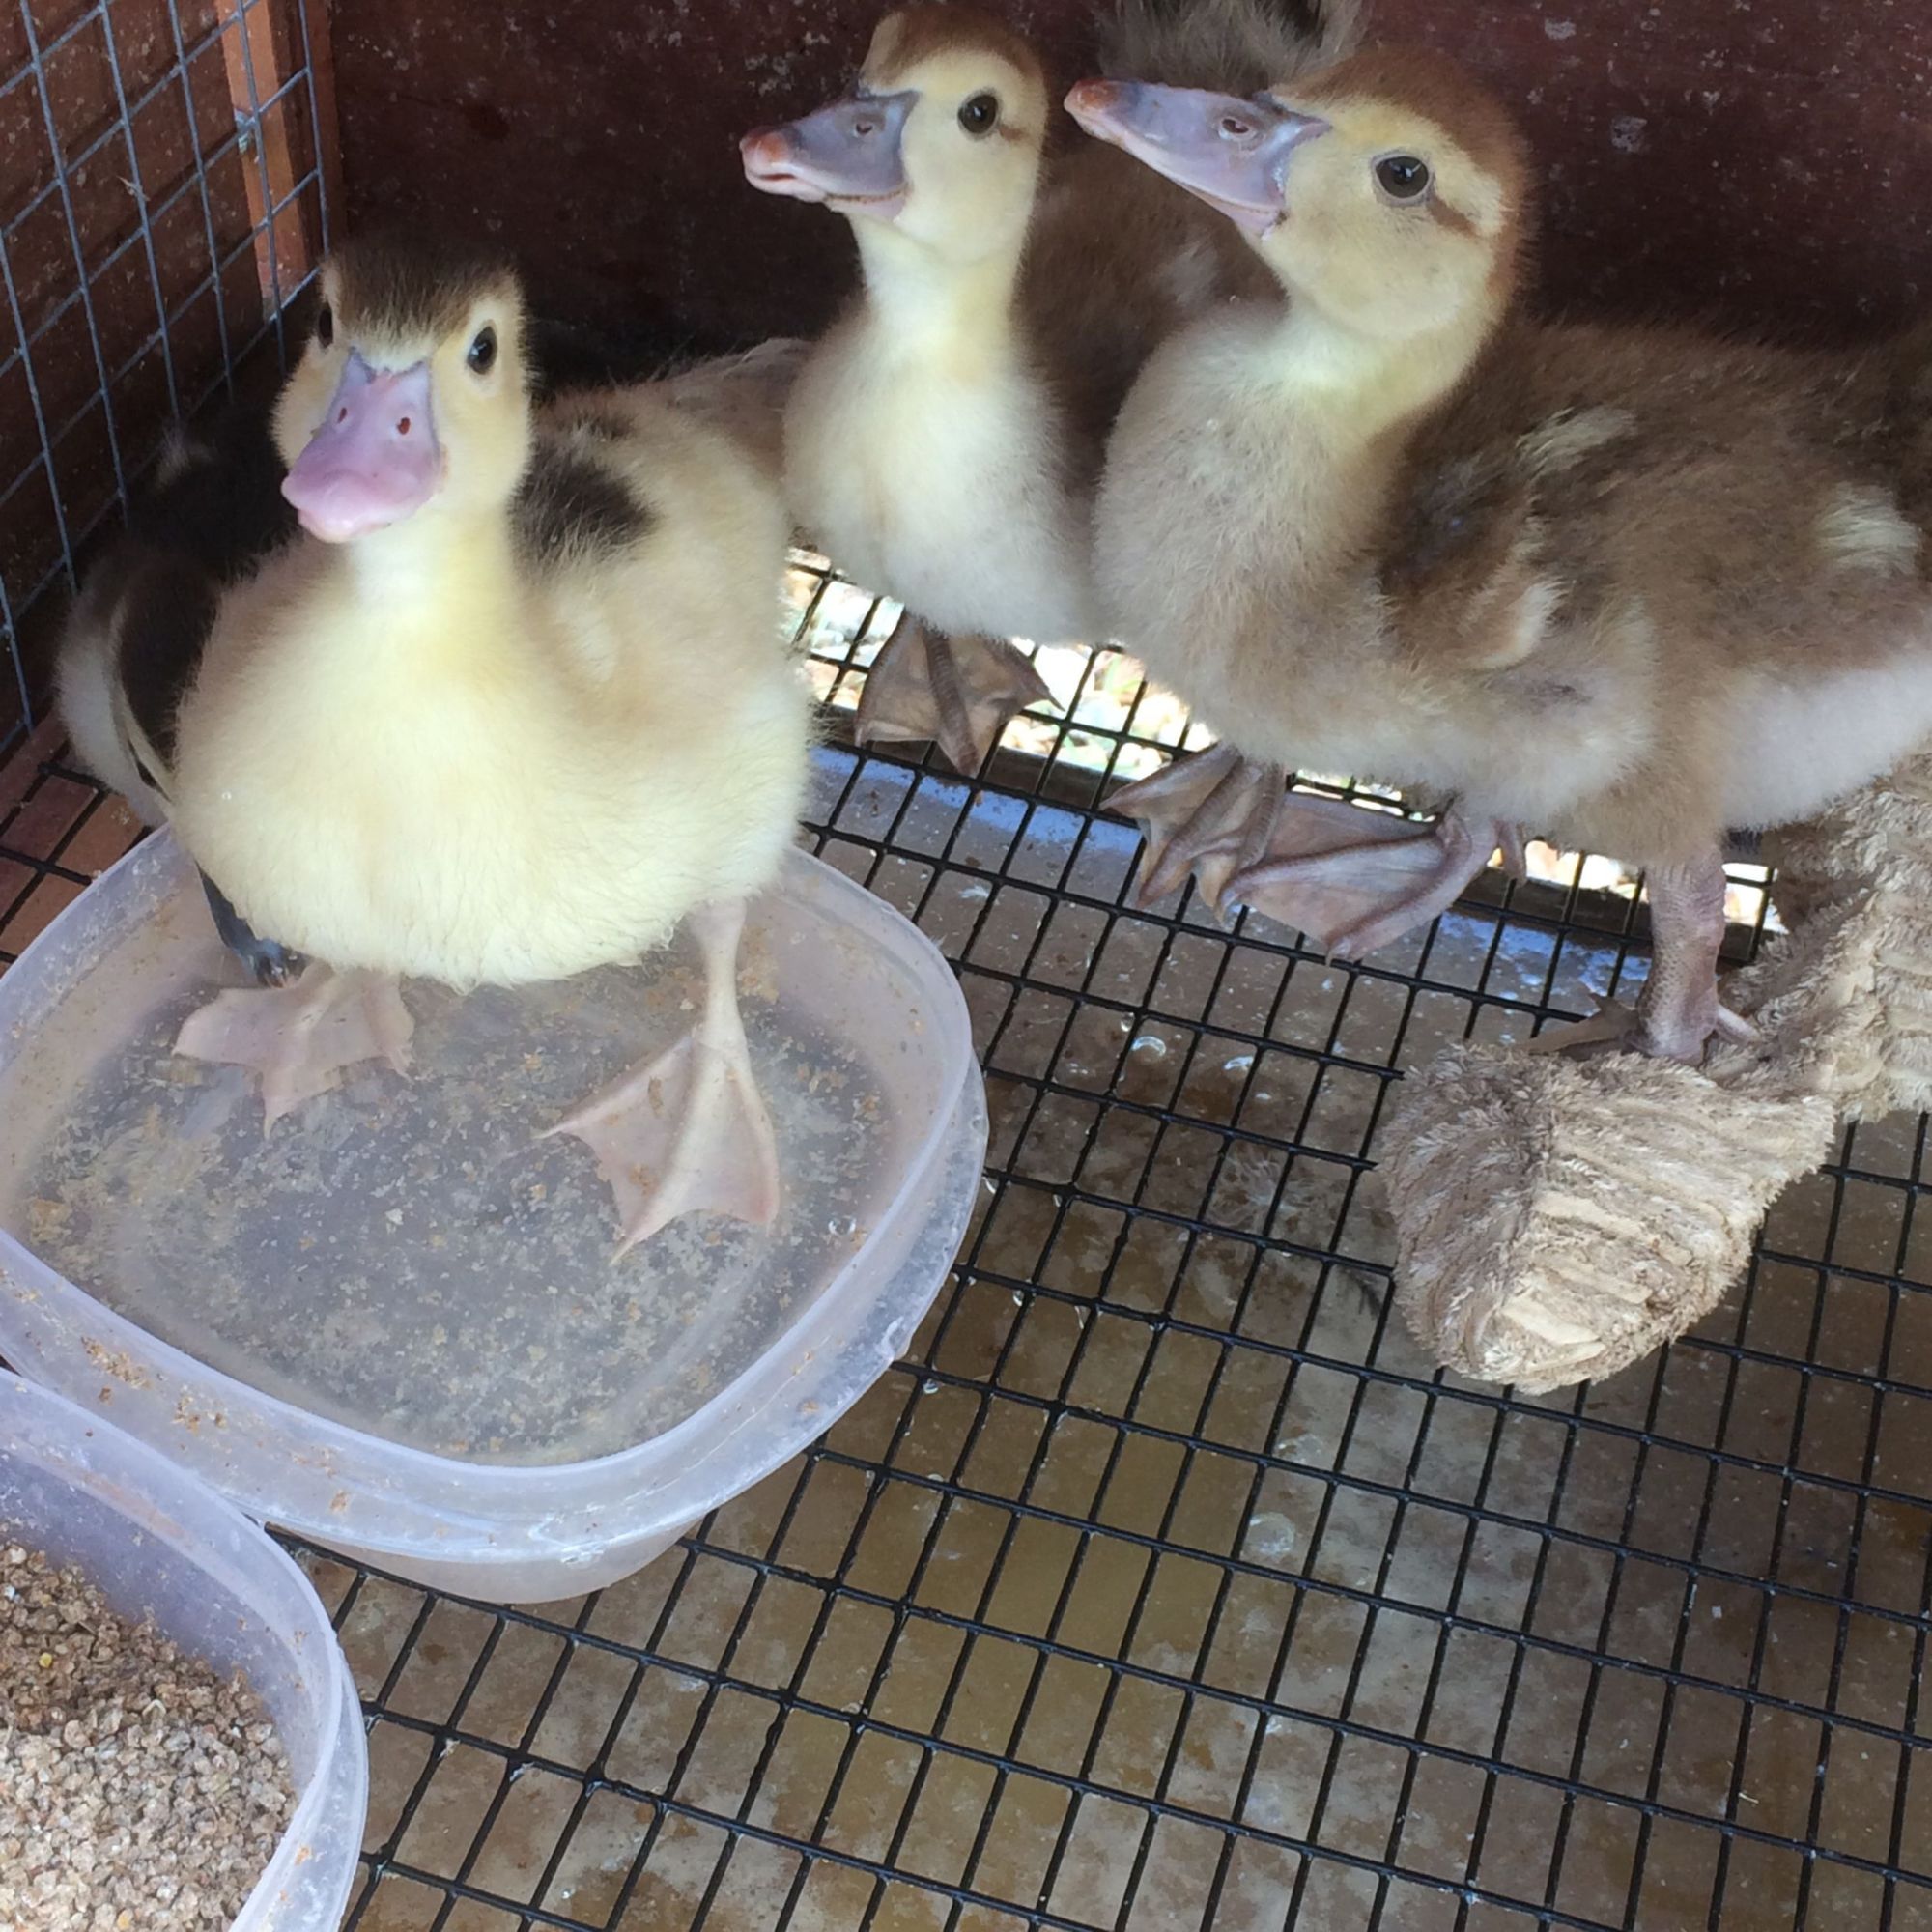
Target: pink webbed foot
point(1353, 880)
point(301, 1038)
point(1212, 814)
point(688, 1132)
point(958, 691)
point(1678, 1014)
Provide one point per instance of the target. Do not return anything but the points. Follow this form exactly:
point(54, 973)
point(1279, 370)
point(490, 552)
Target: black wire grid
point(1167, 1586)
point(161, 201)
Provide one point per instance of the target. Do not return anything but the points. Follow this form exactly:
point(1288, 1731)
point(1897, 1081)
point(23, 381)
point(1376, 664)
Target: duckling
point(944, 438)
point(1632, 586)
point(513, 706)
point(214, 512)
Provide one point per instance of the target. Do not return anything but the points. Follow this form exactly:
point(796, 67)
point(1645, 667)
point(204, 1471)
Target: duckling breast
point(946, 487)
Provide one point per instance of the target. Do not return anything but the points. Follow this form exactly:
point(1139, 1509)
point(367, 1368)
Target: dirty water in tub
point(410, 1256)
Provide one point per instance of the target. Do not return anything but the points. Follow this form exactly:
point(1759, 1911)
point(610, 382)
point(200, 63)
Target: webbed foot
point(1678, 1014)
point(960, 693)
point(688, 1132)
point(300, 1037)
point(1213, 814)
point(1353, 879)
point(1615, 1028)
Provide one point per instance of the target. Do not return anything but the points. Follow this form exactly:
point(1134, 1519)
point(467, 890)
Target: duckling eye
point(1403, 177)
point(483, 349)
point(981, 115)
point(324, 326)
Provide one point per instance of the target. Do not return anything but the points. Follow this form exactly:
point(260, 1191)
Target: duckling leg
point(689, 1133)
point(957, 691)
point(300, 1037)
point(1353, 880)
point(1678, 1012)
point(268, 964)
point(1214, 815)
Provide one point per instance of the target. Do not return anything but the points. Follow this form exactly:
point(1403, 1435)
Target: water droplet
point(1149, 1043)
point(928, 1387)
point(841, 1227)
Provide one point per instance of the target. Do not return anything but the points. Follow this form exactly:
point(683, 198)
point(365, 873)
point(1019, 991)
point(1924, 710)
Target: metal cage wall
point(163, 198)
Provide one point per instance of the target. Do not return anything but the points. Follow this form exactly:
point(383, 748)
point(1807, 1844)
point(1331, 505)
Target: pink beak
point(374, 459)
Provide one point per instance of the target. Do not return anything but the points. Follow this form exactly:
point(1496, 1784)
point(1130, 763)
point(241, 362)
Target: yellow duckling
point(513, 707)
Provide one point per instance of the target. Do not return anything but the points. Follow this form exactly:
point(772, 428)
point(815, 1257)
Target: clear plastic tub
point(394, 1325)
point(156, 1543)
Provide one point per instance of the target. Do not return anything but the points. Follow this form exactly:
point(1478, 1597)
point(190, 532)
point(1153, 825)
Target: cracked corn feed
point(138, 1790)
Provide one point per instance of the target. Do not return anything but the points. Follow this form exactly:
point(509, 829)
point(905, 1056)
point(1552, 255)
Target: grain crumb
point(138, 1791)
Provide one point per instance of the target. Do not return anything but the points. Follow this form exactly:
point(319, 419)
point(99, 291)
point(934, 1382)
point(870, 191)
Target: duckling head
point(411, 397)
point(939, 140)
point(1389, 190)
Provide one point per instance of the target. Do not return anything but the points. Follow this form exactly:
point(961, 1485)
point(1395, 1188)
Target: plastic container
point(394, 1325)
point(156, 1543)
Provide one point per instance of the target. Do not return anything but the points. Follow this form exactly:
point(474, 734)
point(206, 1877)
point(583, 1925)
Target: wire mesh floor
point(1167, 1586)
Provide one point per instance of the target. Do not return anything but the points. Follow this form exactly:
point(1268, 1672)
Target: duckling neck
point(1372, 384)
point(416, 573)
point(922, 300)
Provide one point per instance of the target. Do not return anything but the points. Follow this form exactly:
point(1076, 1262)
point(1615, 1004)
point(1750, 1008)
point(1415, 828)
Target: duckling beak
point(373, 460)
point(847, 155)
point(1233, 153)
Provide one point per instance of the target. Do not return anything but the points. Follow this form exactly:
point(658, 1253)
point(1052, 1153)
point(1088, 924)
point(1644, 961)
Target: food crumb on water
point(139, 1790)
point(452, 1281)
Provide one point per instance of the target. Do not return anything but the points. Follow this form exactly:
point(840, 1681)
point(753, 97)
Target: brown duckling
point(1630, 586)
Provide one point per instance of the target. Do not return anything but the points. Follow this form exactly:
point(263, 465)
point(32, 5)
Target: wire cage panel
point(163, 198)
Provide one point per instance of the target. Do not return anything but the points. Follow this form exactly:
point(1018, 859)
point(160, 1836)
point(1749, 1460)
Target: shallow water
point(411, 1257)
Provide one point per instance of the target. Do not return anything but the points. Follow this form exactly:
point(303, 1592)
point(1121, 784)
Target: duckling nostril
point(342, 415)
point(1235, 130)
point(403, 426)
point(864, 127)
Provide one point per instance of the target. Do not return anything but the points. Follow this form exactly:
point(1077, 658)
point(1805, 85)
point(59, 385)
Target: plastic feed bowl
point(155, 1541)
point(394, 1325)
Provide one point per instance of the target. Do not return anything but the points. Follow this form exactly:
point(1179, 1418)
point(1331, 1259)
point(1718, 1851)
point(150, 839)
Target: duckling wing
point(743, 396)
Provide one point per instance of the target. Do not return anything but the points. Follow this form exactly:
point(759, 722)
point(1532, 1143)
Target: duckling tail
point(1233, 46)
